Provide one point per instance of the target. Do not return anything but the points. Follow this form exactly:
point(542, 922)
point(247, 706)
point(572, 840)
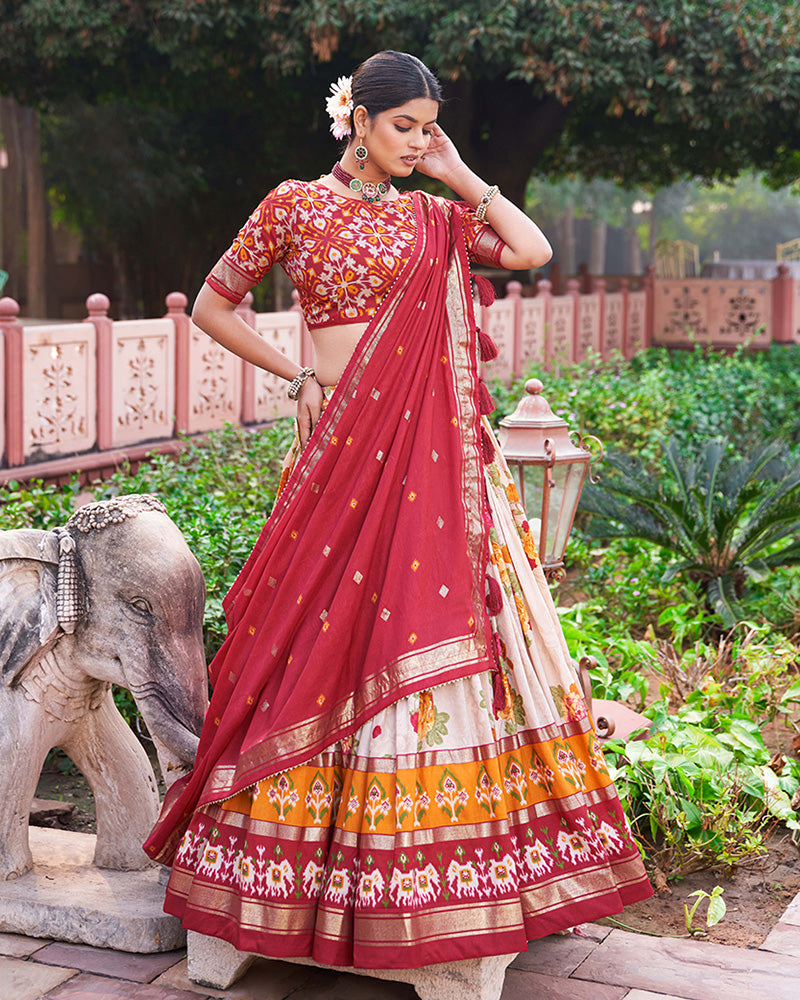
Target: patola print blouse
point(341, 254)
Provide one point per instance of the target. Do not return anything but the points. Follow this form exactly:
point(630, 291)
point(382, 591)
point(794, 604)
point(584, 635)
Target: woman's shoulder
point(288, 193)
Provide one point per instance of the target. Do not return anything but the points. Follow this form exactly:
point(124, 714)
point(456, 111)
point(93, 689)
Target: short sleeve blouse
point(341, 254)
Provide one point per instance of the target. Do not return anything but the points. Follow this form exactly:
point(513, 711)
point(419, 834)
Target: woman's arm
point(217, 317)
point(526, 245)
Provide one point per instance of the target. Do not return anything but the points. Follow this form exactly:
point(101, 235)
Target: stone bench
point(216, 963)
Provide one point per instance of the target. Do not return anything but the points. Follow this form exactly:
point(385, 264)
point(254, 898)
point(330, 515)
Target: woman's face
point(398, 137)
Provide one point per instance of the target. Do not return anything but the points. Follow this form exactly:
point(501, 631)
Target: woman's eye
point(401, 129)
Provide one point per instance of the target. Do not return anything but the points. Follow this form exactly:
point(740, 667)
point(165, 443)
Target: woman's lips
point(410, 160)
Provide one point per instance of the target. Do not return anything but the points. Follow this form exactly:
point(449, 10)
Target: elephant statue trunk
point(113, 597)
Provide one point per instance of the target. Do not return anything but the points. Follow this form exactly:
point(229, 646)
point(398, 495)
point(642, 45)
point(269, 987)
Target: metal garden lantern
point(549, 468)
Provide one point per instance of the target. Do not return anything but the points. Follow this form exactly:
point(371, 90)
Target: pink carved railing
point(88, 395)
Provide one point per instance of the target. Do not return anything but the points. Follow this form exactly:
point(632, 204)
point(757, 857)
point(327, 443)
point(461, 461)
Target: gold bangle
point(483, 204)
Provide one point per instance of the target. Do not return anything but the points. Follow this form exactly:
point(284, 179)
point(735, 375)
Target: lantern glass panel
point(530, 484)
point(564, 496)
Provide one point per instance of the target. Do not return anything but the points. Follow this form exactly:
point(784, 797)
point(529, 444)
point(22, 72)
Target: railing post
point(97, 306)
point(573, 289)
point(248, 314)
point(782, 290)
point(514, 293)
point(543, 291)
point(624, 288)
point(13, 337)
point(176, 311)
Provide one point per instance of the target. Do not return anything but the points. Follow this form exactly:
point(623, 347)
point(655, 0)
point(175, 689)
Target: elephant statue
point(113, 597)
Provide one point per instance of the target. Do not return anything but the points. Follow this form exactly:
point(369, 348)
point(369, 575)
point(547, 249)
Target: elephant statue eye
point(142, 605)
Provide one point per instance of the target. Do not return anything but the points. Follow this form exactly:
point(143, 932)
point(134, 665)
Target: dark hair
point(389, 79)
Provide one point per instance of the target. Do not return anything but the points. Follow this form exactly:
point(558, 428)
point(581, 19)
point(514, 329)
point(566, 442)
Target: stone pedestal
point(213, 962)
point(67, 898)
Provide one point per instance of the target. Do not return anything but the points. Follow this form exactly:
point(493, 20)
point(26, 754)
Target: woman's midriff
point(333, 347)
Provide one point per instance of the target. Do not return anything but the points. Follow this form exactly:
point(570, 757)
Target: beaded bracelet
point(483, 204)
point(297, 382)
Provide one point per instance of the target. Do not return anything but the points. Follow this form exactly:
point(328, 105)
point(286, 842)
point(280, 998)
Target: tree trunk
point(634, 250)
point(567, 248)
point(597, 249)
point(501, 130)
point(12, 197)
point(36, 206)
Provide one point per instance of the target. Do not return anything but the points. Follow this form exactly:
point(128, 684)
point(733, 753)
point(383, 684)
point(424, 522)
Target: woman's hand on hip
point(309, 408)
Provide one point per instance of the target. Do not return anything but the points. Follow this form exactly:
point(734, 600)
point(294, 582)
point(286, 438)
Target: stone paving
point(595, 963)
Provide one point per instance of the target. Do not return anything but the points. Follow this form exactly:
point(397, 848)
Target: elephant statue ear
point(28, 587)
point(71, 594)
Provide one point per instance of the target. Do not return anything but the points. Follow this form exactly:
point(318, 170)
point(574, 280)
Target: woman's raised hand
point(309, 408)
point(441, 157)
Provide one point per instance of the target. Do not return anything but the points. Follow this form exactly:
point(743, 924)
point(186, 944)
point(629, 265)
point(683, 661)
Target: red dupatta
point(367, 582)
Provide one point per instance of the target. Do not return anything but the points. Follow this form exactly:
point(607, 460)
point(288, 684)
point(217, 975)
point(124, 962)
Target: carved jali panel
point(681, 311)
point(588, 327)
point(612, 329)
point(59, 390)
point(143, 378)
point(533, 330)
point(215, 383)
point(561, 321)
point(740, 312)
point(637, 320)
point(283, 331)
point(498, 322)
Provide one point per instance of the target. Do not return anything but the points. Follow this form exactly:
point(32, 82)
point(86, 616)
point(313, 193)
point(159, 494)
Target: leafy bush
point(684, 395)
point(35, 505)
point(219, 492)
point(702, 795)
point(725, 520)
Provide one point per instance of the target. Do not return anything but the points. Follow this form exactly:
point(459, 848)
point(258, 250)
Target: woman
point(397, 767)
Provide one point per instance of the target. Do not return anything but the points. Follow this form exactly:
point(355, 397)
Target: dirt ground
point(755, 896)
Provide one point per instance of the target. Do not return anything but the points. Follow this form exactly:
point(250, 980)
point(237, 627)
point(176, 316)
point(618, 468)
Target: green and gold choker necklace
point(368, 191)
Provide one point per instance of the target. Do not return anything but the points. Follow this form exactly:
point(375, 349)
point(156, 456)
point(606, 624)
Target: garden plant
point(719, 773)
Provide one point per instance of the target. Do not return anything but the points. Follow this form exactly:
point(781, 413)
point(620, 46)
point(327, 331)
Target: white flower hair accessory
point(340, 106)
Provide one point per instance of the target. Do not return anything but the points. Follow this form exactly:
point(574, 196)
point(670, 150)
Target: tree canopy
point(645, 91)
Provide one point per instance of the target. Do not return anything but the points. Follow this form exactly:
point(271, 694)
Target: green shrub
point(219, 492)
point(724, 519)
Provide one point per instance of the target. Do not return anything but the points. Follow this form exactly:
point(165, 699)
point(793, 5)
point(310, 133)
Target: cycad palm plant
point(724, 518)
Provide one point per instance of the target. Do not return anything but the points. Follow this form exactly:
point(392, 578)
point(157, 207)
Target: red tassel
point(485, 401)
point(487, 346)
point(494, 596)
point(487, 448)
point(499, 692)
point(485, 289)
